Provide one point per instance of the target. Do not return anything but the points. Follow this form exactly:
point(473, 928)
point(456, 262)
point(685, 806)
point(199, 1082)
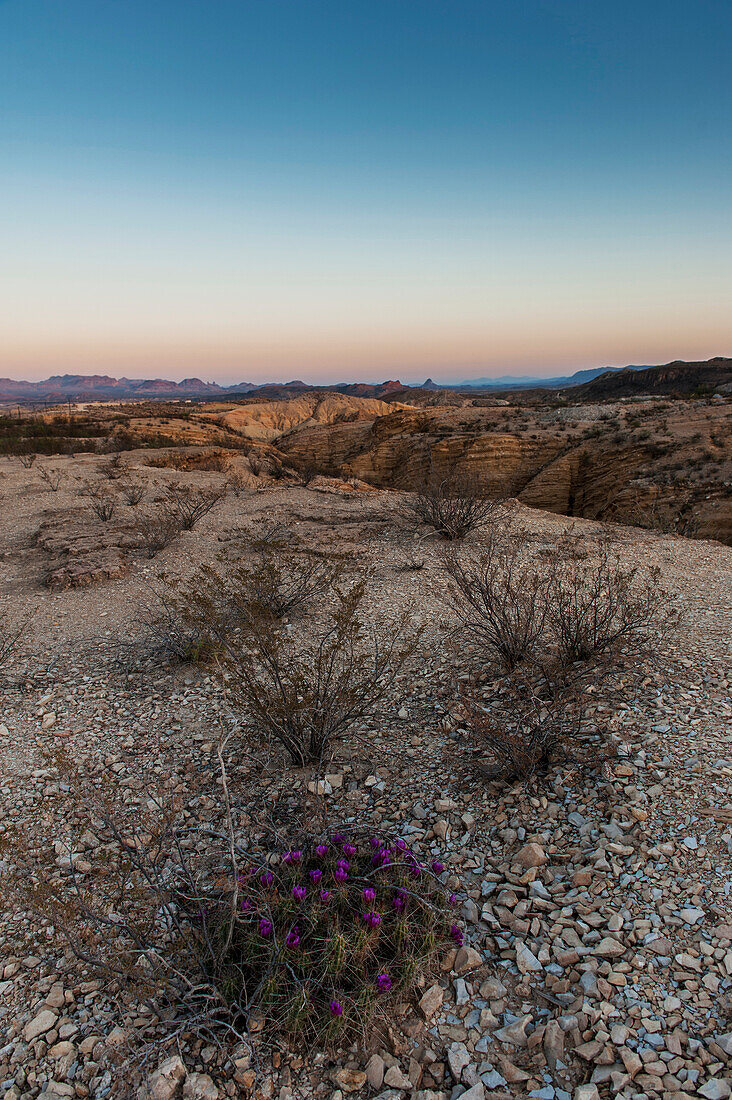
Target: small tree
point(27, 459)
point(452, 505)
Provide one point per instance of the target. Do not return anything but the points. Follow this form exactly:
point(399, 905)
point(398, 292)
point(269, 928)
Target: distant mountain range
point(100, 387)
point(601, 380)
point(527, 381)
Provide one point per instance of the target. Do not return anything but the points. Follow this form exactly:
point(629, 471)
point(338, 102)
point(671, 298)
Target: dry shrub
point(454, 506)
point(132, 491)
point(158, 530)
point(500, 599)
point(305, 469)
point(113, 468)
point(191, 504)
point(10, 637)
point(300, 692)
point(101, 501)
point(598, 606)
point(277, 583)
point(165, 632)
point(532, 721)
point(52, 478)
point(27, 460)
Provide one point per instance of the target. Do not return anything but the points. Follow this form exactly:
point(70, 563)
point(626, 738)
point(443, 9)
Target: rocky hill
point(270, 419)
point(671, 378)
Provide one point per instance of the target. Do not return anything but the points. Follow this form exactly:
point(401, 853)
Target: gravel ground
point(598, 956)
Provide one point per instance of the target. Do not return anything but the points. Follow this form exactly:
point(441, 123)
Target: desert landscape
point(483, 637)
point(365, 550)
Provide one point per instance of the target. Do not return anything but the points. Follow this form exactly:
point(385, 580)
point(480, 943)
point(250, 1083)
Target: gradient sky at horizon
point(271, 189)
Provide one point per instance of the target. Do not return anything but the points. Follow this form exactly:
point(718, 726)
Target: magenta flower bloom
point(336, 1008)
point(299, 892)
point(349, 850)
point(399, 902)
point(344, 864)
point(265, 928)
point(372, 919)
point(401, 845)
point(369, 894)
point(321, 850)
point(337, 839)
point(246, 905)
point(292, 857)
point(293, 938)
point(267, 878)
point(375, 842)
point(437, 867)
point(452, 899)
point(315, 876)
point(415, 870)
point(325, 895)
point(456, 935)
point(340, 874)
point(384, 983)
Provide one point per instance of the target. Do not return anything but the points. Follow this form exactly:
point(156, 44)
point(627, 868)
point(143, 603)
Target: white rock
point(715, 1089)
point(40, 1024)
point(526, 960)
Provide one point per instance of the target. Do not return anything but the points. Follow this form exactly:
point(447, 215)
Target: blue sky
point(359, 190)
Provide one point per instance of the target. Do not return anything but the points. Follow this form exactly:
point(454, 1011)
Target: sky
point(342, 190)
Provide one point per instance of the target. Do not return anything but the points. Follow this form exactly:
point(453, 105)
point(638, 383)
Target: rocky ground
point(598, 953)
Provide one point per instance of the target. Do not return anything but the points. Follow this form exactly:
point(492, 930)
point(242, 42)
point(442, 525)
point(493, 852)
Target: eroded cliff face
point(595, 477)
point(268, 420)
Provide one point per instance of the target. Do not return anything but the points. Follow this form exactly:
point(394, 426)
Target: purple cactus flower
point(456, 935)
point(375, 842)
point(385, 859)
point(315, 876)
point(321, 850)
point(384, 983)
point(369, 894)
point(372, 919)
point(337, 839)
point(293, 938)
point(246, 905)
point(349, 850)
point(299, 892)
point(401, 845)
point(265, 928)
point(437, 867)
point(453, 899)
point(292, 857)
point(415, 870)
point(267, 878)
point(336, 1008)
point(399, 902)
point(325, 895)
point(340, 874)
point(343, 863)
